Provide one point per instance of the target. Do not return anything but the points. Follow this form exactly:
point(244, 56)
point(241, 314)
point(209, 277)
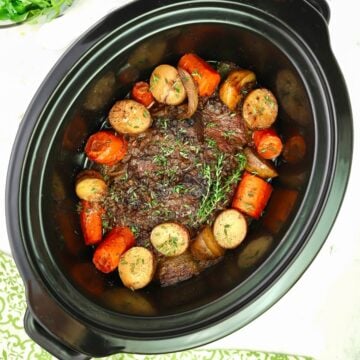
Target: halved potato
point(137, 267)
point(170, 239)
point(230, 228)
point(90, 186)
point(129, 117)
point(205, 247)
point(231, 90)
point(166, 85)
point(260, 109)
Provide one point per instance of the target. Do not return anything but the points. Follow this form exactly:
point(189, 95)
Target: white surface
point(320, 315)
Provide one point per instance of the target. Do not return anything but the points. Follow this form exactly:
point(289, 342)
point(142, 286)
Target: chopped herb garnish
point(176, 87)
point(210, 125)
point(179, 188)
point(125, 176)
point(196, 73)
point(211, 143)
point(154, 80)
point(105, 223)
point(134, 229)
point(269, 101)
point(79, 207)
point(184, 154)
point(224, 69)
point(160, 160)
point(163, 123)
point(244, 91)
point(226, 227)
point(229, 133)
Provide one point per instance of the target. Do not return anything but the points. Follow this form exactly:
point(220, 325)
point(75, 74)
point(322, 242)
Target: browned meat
point(227, 128)
point(171, 270)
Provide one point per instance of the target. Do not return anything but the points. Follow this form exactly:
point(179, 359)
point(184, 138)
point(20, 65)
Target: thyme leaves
point(218, 186)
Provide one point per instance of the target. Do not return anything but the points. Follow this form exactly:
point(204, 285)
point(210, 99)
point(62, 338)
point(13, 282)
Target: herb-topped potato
point(170, 239)
point(129, 117)
point(166, 85)
point(230, 228)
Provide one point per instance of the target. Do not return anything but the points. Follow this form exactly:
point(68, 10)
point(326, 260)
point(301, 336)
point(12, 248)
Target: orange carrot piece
point(107, 255)
point(268, 144)
point(141, 93)
point(206, 77)
point(106, 148)
point(279, 209)
point(91, 222)
point(294, 149)
point(252, 195)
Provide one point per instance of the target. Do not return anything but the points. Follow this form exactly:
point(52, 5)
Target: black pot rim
point(324, 70)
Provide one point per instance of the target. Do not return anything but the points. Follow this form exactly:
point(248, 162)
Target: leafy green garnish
point(21, 10)
point(218, 186)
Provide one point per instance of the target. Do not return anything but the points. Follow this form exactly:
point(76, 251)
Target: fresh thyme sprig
point(218, 187)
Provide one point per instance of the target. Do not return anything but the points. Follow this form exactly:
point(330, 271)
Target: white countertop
point(320, 315)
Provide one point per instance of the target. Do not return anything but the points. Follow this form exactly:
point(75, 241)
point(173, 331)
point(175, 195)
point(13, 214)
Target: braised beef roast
point(166, 173)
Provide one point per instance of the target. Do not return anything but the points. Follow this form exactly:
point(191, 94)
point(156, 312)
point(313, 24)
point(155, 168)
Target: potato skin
point(230, 228)
point(199, 249)
point(230, 92)
point(90, 186)
point(205, 247)
point(129, 117)
point(256, 165)
point(166, 85)
point(137, 267)
point(260, 109)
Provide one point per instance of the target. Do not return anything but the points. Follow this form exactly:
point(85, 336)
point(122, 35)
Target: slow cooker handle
point(322, 7)
point(49, 342)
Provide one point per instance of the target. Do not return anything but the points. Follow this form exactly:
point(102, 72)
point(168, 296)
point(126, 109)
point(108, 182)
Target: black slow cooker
point(75, 312)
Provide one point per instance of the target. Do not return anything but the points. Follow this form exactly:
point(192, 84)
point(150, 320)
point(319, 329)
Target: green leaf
point(20, 10)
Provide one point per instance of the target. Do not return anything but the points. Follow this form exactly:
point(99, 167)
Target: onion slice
point(191, 90)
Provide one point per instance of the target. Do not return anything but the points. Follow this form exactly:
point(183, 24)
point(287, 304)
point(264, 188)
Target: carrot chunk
point(206, 77)
point(252, 195)
point(142, 94)
point(107, 255)
point(91, 222)
point(280, 208)
point(106, 148)
point(294, 149)
point(268, 144)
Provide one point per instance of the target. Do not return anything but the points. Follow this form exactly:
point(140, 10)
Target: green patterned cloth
point(15, 344)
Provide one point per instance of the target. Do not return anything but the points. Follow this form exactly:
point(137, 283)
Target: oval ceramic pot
point(76, 312)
